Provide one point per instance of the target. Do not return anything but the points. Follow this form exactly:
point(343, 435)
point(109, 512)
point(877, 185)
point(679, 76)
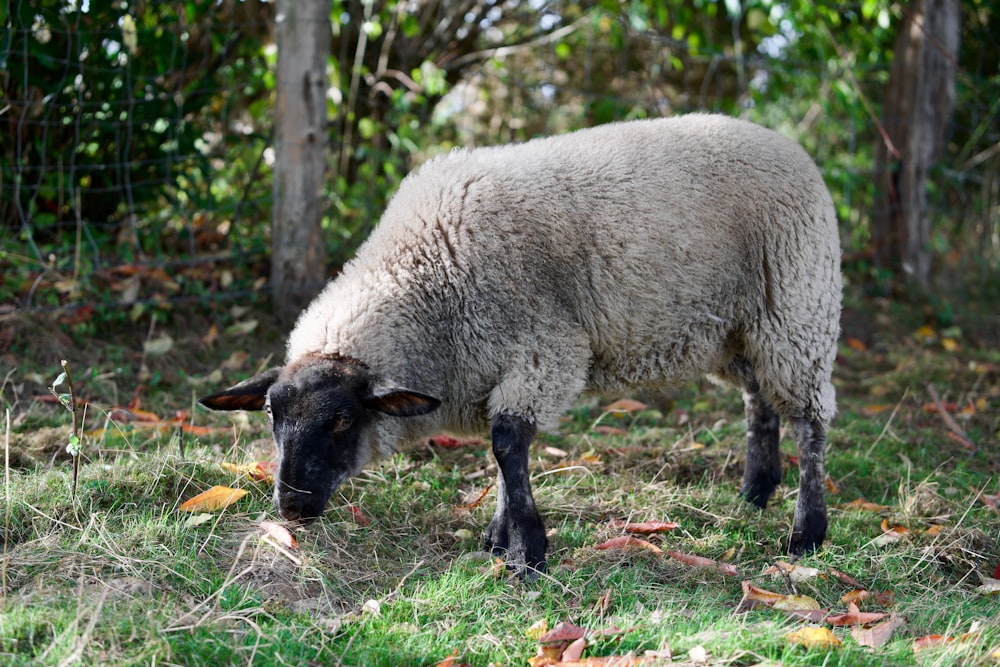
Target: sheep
point(502, 282)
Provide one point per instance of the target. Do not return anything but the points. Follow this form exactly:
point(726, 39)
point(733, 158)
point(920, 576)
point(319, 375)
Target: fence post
point(298, 258)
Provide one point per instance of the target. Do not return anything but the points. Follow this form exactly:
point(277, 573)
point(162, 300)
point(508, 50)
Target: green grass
point(119, 576)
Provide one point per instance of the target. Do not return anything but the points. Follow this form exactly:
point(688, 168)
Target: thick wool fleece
point(507, 280)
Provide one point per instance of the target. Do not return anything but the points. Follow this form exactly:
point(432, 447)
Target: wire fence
point(147, 143)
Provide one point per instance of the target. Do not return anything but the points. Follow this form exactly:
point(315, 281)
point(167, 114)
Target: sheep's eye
point(341, 422)
point(267, 408)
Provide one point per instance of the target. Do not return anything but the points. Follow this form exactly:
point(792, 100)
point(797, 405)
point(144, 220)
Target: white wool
point(507, 280)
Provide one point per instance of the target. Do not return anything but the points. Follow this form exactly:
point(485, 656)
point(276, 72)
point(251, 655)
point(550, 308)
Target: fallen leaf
point(950, 345)
point(158, 346)
point(258, 471)
point(862, 505)
point(235, 361)
point(537, 629)
point(929, 641)
point(278, 533)
point(813, 637)
point(844, 577)
point(609, 430)
point(698, 655)
point(935, 530)
point(989, 586)
point(475, 502)
point(450, 660)
point(874, 408)
point(447, 441)
point(701, 561)
point(574, 651)
point(855, 617)
point(556, 452)
point(603, 603)
point(755, 594)
point(359, 516)
point(877, 635)
point(796, 603)
point(216, 498)
point(856, 344)
point(208, 340)
point(563, 632)
point(855, 596)
point(894, 530)
point(797, 573)
point(831, 486)
point(645, 527)
point(627, 542)
point(198, 519)
point(810, 615)
point(625, 405)
point(996, 571)
point(241, 328)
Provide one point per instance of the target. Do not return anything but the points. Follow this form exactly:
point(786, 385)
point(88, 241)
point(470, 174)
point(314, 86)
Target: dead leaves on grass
point(216, 498)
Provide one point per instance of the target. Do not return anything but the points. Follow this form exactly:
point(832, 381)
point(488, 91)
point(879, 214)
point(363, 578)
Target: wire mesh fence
point(136, 146)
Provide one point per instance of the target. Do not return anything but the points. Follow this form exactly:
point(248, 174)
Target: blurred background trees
point(139, 134)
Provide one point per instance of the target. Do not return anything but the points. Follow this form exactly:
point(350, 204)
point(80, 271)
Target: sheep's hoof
point(496, 538)
point(808, 536)
point(758, 490)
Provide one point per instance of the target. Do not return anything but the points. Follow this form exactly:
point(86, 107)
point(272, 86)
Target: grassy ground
point(393, 574)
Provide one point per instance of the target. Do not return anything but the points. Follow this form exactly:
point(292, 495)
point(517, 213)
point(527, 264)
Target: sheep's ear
point(401, 402)
point(247, 395)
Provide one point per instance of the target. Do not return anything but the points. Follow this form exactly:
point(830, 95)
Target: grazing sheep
point(501, 282)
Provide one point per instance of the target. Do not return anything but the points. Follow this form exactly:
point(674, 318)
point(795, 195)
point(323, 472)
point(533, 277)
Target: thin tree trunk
point(298, 259)
point(915, 112)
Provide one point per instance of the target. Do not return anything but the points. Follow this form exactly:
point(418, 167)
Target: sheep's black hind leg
point(516, 526)
point(809, 529)
point(763, 470)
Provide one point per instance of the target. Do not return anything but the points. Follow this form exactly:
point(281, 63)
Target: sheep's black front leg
point(809, 529)
point(516, 528)
point(496, 537)
point(763, 470)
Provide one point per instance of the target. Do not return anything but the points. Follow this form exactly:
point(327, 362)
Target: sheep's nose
point(290, 514)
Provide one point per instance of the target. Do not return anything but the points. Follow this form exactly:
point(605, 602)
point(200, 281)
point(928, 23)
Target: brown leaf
point(218, 497)
point(208, 340)
point(575, 650)
point(644, 527)
point(856, 344)
point(874, 409)
point(563, 632)
point(475, 502)
point(760, 595)
point(862, 505)
point(627, 542)
point(447, 441)
point(877, 635)
point(855, 617)
point(894, 530)
point(844, 577)
point(625, 405)
point(928, 641)
point(701, 561)
point(603, 603)
point(359, 516)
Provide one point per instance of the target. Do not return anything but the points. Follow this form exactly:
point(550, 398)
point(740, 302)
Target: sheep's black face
point(322, 432)
point(323, 412)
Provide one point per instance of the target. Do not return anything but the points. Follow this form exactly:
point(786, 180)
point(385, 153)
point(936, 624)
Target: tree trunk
point(298, 259)
point(917, 105)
